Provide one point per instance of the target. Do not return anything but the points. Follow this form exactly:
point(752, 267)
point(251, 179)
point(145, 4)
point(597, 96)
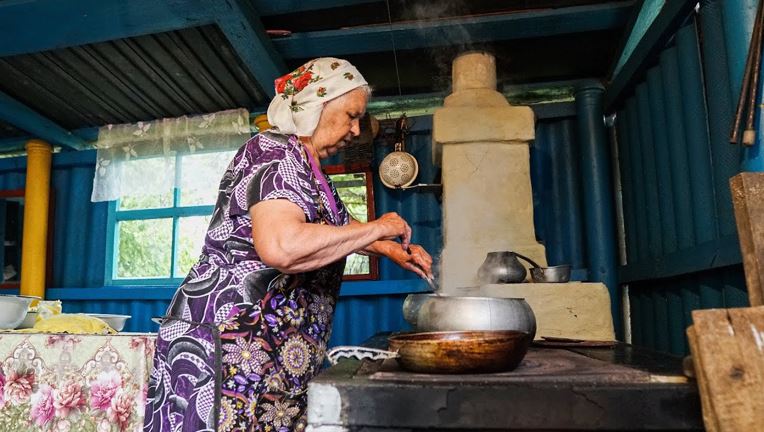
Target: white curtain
point(165, 138)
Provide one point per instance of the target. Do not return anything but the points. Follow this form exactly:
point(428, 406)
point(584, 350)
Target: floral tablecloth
point(56, 382)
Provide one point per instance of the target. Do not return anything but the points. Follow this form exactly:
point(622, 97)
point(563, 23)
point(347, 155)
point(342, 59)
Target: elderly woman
point(255, 313)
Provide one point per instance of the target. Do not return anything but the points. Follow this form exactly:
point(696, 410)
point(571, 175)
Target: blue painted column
point(738, 17)
point(753, 159)
point(599, 214)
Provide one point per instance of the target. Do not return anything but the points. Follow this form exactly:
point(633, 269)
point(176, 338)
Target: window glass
point(191, 232)
point(200, 177)
point(145, 247)
point(155, 189)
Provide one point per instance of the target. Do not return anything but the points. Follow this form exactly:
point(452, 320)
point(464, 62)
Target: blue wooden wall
point(675, 163)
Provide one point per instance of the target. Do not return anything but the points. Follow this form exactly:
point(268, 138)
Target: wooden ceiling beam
point(455, 31)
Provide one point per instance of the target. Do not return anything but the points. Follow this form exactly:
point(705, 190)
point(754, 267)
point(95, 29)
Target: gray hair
point(366, 89)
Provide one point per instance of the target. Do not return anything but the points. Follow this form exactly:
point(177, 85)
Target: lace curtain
point(165, 138)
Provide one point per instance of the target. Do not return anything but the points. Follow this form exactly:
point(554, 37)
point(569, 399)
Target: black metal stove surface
point(620, 388)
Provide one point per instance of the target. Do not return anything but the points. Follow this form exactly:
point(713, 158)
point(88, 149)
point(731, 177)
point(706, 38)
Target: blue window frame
point(171, 234)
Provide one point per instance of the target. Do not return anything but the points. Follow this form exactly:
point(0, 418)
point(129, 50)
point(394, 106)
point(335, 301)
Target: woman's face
point(339, 123)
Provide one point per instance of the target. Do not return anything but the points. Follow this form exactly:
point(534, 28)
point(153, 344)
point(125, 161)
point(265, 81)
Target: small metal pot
point(503, 267)
point(429, 313)
point(555, 274)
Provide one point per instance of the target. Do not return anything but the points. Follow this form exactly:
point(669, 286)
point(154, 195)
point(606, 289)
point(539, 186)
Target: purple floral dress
point(242, 340)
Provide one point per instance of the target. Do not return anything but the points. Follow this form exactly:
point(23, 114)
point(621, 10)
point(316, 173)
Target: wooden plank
point(74, 23)
point(728, 351)
point(708, 419)
point(454, 31)
point(748, 199)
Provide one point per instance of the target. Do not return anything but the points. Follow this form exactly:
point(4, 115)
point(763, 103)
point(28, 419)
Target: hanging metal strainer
point(400, 168)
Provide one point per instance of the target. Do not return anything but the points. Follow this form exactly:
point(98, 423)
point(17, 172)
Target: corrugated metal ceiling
point(170, 74)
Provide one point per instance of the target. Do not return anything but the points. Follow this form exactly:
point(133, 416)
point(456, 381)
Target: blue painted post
point(753, 159)
point(662, 162)
point(738, 17)
point(677, 147)
point(721, 103)
point(598, 194)
point(696, 130)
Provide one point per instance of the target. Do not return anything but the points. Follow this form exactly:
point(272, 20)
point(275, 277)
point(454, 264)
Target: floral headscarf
point(301, 94)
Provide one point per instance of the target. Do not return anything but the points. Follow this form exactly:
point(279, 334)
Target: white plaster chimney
point(482, 144)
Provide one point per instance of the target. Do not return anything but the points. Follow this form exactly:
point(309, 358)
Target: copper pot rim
point(459, 336)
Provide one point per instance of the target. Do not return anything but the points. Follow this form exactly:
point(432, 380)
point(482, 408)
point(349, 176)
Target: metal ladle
point(431, 284)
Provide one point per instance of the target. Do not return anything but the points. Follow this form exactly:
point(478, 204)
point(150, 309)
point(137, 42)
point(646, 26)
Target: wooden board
point(728, 353)
point(748, 199)
point(708, 418)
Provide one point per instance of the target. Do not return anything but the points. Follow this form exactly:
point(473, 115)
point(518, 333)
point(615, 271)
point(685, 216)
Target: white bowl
point(117, 322)
point(13, 310)
point(29, 321)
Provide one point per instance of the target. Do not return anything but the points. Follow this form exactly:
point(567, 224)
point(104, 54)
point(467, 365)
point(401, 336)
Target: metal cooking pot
point(447, 352)
point(431, 313)
point(503, 267)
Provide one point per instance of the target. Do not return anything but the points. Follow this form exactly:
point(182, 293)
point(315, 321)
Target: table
point(617, 388)
point(74, 382)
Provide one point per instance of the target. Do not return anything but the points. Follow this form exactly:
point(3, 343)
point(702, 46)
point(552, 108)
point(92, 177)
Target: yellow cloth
point(70, 323)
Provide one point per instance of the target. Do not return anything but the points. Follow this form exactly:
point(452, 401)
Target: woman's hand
point(393, 227)
point(416, 259)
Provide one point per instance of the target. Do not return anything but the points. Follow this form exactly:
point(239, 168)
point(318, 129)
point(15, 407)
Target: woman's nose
point(355, 127)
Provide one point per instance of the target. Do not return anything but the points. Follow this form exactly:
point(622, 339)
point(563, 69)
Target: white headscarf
point(301, 94)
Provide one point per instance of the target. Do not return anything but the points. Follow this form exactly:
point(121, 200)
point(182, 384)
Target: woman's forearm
point(318, 245)
point(378, 248)
point(284, 241)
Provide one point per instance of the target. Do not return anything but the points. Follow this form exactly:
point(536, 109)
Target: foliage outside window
point(158, 233)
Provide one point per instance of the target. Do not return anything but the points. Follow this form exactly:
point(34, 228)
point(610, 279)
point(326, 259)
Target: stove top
point(539, 365)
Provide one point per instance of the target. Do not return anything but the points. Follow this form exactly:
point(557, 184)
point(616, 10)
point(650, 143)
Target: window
point(157, 236)
point(354, 185)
